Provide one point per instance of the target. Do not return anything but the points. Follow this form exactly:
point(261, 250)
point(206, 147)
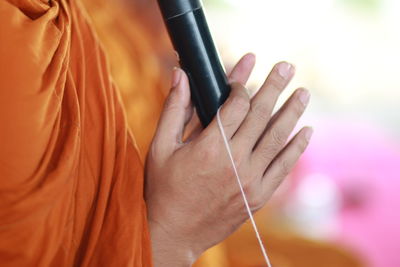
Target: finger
point(240, 74)
point(175, 114)
point(277, 114)
point(194, 133)
point(286, 160)
point(242, 70)
point(189, 115)
point(276, 135)
point(263, 103)
point(189, 125)
point(194, 128)
point(232, 112)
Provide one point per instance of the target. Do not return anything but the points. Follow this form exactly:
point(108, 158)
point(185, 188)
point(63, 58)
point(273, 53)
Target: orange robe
point(71, 179)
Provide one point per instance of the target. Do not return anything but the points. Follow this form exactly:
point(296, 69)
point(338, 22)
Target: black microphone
point(197, 55)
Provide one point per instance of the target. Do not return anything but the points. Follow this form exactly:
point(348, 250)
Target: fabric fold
point(71, 179)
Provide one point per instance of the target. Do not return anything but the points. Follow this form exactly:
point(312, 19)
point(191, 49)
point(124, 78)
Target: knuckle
point(260, 111)
point(284, 170)
point(276, 181)
point(276, 82)
point(278, 137)
point(302, 146)
point(155, 151)
point(232, 123)
point(298, 108)
point(285, 167)
point(239, 159)
point(248, 184)
point(240, 103)
point(257, 198)
point(170, 103)
point(268, 152)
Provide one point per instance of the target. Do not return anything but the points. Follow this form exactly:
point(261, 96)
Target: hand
point(192, 196)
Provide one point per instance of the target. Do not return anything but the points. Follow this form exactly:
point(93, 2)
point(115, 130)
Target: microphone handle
point(187, 27)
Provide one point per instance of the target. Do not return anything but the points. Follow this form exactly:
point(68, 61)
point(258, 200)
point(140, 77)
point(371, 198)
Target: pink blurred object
point(363, 164)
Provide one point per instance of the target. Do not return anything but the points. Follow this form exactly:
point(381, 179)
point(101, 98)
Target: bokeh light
point(347, 54)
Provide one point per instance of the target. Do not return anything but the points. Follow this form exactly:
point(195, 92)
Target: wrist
point(167, 250)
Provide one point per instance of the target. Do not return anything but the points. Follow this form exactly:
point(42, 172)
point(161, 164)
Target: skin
point(192, 196)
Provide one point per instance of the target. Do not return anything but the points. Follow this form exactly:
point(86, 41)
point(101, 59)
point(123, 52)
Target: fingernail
point(304, 97)
point(285, 70)
point(176, 76)
point(251, 57)
point(308, 133)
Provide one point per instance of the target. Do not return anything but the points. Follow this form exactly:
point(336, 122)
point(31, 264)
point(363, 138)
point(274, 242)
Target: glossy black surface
point(173, 8)
point(199, 58)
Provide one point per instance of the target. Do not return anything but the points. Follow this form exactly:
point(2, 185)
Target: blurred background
point(341, 205)
point(344, 190)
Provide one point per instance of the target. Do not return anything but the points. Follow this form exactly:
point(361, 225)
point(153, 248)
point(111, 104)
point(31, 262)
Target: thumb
point(177, 109)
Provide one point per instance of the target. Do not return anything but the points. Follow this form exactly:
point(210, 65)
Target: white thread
point(228, 149)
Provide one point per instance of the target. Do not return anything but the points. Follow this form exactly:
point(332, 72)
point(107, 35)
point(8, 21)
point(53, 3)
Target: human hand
point(192, 196)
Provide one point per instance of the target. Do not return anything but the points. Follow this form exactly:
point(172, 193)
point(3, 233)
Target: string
point(246, 203)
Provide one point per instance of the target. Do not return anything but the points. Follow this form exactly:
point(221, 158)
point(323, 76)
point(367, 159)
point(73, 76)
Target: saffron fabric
point(71, 178)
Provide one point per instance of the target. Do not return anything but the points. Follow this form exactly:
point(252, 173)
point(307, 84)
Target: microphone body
point(187, 27)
